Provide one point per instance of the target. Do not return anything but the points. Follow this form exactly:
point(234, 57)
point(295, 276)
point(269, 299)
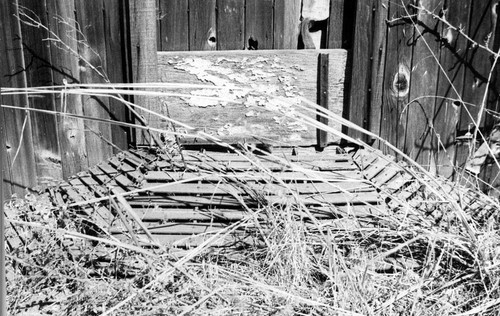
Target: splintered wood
point(149, 198)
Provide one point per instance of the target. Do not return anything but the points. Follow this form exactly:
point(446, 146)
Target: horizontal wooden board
point(275, 78)
point(188, 240)
point(157, 214)
point(262, 188)
point(287, 176)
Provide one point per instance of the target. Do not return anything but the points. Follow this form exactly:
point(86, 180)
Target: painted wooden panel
point(280, 76)
point(259, 24)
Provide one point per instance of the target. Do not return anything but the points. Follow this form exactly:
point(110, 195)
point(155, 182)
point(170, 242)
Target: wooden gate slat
point(264, 188)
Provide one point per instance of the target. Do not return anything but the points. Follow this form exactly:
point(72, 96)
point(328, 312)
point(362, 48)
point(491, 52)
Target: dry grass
point(433, 255)
point(430, 257)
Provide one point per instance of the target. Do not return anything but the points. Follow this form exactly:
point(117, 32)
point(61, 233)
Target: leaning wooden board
point(275, 80)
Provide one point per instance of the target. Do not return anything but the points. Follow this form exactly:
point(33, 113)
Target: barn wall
point(417, 82)
point(47, 43)
point(419, 79)
point(192, 25)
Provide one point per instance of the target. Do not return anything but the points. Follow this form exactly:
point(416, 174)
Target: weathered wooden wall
point(418, 82)
point(46, 43)
point(191, 25)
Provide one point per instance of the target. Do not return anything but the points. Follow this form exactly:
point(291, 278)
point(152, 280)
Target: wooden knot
point(401, 82)
point(212, 39)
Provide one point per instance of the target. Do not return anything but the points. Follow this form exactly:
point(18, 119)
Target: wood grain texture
point(3, 154)
point(293, 70)
point(116, 69)
point(286, 24)
point(336, 24)
point(480, 30)
point(144, 59)
point(202, 25)
point(37, 59)
point(420, 143)
point(174, 25)
point(379, 50)
point(20, 159)
point(322, 98)
point(397, 79)
point(450, 86)
point(259, 20)
point(65, 67)
point(5, 175)
point(359, 92)
point(230, 24)
point(92, 49)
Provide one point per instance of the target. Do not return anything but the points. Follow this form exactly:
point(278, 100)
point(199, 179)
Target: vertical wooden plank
point(397, 77)
point(336, 24)
point(158, 24)
point(359, 94)
point(65, 67)
point(481, 29)
point(115, 41)
point(322, 98)
point(341, 22)
point(286, 24)
point(174, 25)
point(18, 138)
point(92, 49)
point(420, 140)
point(44, 126)
point(144, 54)
point(3, 286)
point(259, 24)
point(202, 25)
point(378, 49)
point(450, 85)
point(230, 24)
